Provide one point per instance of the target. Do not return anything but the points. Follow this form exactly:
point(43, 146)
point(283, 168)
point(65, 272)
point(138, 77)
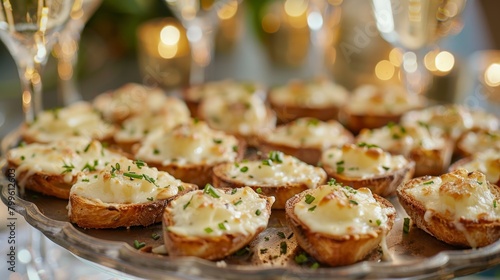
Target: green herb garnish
point(257, 212)
point(428, 183)
point(133, 175)
point(209, 230)
point(406, 225)
point(309, 198)
point(244, 169)
point(283, 247)
point(209, 189)
point(187, 204)
point(312, 208)
point(301, 258)
point(222, 226)
point(138, 245)
point(155, 236)
point(281, 234)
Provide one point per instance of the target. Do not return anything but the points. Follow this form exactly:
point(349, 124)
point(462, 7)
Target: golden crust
point(355, 123)
point(336, 250)
point(457, 233)
point(431, 162)
point(44, 183)
point(210, 248)
point(383, 185)
point(198, 174)
point(89, 213)
point(287, 113)
point(281, 193)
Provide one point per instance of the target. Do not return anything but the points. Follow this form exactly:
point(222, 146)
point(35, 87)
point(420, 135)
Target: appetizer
point(52, 168)
point(214, 223)
point(189, 151)
point(305, 138)
point(460, 208)
point(365, 165)
point(126, 193)
point(339, 225)
point(319, 98)
point(475, 141)
point(278, 175)
point(486, 162)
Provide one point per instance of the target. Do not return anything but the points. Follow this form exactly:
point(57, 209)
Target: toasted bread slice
point(243, 115)
point(360, 223)
point(428, 147)
point(305, 138)
point(475, 141)
point(189, 151)
point(78, 119)
point(126, 193)
point(52, 169)
point(318, 98)
point(458, 208)
point(129, 100)
point(136, 128)
point(367, 166)
point(214, 223)
point(372, 106)
point(486, 162)
point(279, 175)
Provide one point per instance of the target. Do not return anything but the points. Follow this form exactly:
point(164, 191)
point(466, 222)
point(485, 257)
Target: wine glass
point(199, 18)
point(66, 48)
point(29, 29)
point(413, 26)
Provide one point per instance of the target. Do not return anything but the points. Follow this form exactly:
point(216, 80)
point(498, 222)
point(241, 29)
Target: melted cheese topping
point(391, 100)
point(484, 120)
point(78, 119)
point(478, 141)
point(66, 157)
point(317, 93)
point(277, 170)
point(129, 100)
point(215, 213)
point(457, 195)
point(488, 163)
point(308, 132)
point(224, 88)
point(402, 140)
point(238, 114)
point(193, 142)
point(173, 113)
point(125, 181)
point(452, 119)
point(355, 211)
point(363, 162)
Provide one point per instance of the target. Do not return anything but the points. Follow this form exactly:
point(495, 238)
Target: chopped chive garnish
point(235, 148)
point(156, 152)
point(312, 208)
point(332, 182)
point(363, 144)
point(244, 169)
point(379, 222)
point(132, 175)
point(150, 198)
point(340, 169)
point(258, 190)
point(138, 245)
point(494, 204)
point(283, 247)
point(23, 157)
point(257, 212)
point(386, 168)
point(233, 191)
point(222, 226)
point(353, 202)
point(139, 163)
point(155, 236)
point(276, 156)
point(301, 258)
point(428, 183)
point(315, 265)
point(209, 189)
point(180, 188)
point(238, 202)
point(67, 167)
point(208, 230)
point(406, 225)
point(187, 204)
point(266, 162)
point(85, 180)
point(217, 141)
point(309, 198)
point(281, 234)
point(86, 149)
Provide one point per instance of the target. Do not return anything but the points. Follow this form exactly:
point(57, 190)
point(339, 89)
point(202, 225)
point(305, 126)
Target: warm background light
point(396, 57)
point(492, 75)
point(384, 70)
point(170, 35)
point(445, 61)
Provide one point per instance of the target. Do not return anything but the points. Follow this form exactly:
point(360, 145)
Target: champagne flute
point(66, 48)
point(29, 29)
point(414, 25)
point(199, 18)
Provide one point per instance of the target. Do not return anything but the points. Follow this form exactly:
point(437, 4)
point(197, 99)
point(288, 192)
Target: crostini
point(305, 138)
point(214, 223)
point(365, 165)
point(486, 162)
point(460, 208)
point(52, 168)
point(126, 193)
point(339, 225)
point(278, 175)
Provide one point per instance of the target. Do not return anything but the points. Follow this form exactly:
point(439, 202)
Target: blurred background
point(259, 42)
point(268, 42)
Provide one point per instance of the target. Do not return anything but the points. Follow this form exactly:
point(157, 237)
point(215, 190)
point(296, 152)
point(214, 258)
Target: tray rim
point(120, 256)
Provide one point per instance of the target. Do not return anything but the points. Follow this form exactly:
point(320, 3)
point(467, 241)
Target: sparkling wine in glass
point(414, 25)
point(66, 48)
point(29, 29)
point(199, 18)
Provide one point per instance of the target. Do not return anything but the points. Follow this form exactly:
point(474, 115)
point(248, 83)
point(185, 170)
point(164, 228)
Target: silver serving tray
point(413, 255)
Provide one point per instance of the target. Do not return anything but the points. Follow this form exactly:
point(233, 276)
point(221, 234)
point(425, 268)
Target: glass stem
point(31, 83)
point(201, 36)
